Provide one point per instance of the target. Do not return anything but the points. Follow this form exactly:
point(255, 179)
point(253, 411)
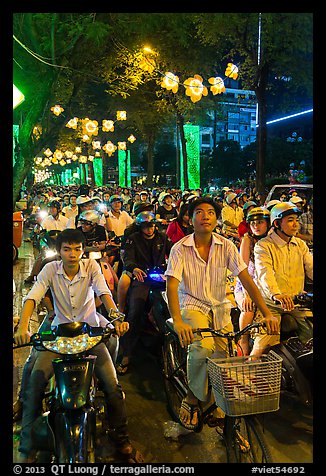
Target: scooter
point(67, 430)
point(296, 350)
point(156, 308)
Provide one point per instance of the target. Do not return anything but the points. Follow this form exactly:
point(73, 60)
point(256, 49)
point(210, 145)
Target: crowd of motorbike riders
point(194, 239)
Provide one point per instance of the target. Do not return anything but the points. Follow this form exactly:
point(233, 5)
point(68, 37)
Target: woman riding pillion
point(258, 221)
point(196, 292)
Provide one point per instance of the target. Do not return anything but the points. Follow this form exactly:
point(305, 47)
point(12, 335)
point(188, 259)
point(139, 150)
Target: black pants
point(138, 295)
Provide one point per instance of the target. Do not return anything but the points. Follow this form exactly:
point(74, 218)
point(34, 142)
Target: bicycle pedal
point(243, 443)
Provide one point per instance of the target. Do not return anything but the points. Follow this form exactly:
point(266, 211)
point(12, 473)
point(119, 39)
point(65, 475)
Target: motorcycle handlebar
point(38, 338)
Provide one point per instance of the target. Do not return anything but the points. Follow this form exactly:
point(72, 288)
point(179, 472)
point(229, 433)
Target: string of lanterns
point(90, 128)
point(194, 86)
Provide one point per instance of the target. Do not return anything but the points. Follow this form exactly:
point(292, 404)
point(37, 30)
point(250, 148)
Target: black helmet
point(56, 204)
point(143, 207)
point(258, 213)
point(115, 198)
point(145, 217)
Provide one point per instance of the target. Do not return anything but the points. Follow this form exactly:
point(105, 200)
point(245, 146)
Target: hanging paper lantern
point(122, 145)
point(232, 71)
point(78, 150)
point(48, 152)
point(109, 148)
point(58, 154)
point(131, 138)
point(90, 128)
point(121, 115)
point(96, 144)
point(217, 85)
point(72, 124)
point(57, 110)
point(68, 154)
point(195, 88)
point(107, 125)
point(170, 82)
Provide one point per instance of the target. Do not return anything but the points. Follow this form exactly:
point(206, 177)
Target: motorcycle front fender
point(75, 435)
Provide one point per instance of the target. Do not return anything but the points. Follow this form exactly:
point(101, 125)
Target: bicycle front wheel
point(175, 374)
point(245, 441)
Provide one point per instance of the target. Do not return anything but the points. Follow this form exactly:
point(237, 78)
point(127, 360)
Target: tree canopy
point(89, 63)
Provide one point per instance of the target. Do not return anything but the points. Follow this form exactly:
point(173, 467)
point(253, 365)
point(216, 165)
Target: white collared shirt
point(203, 285)
point(50, 223)
point(72, 300)
point(119, 224)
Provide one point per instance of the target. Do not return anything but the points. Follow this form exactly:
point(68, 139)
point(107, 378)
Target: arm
point(120, 327)
point(22, 335)
point(254, 293)
point(183, 330)
point(108, 224)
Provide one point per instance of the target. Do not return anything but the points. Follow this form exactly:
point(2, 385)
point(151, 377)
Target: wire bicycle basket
point(246, 385)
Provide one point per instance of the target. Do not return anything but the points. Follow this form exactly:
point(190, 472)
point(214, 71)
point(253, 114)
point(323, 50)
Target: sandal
point(122, 369)
point(192, 410)
point(132, 457)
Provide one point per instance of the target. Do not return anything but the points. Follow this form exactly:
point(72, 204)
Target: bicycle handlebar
point(234, 335)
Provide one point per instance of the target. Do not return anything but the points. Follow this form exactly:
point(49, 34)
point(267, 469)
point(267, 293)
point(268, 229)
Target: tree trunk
point(91, 173)
point(150, 161)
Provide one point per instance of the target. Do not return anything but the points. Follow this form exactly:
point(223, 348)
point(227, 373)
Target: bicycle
point(243, 387)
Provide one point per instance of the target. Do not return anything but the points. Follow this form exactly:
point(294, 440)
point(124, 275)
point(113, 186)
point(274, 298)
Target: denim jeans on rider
point(40, 375)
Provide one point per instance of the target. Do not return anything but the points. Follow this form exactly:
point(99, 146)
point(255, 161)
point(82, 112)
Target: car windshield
point(280, 191)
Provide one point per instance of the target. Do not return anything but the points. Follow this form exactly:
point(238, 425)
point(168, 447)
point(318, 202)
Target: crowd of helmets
point(59, 196)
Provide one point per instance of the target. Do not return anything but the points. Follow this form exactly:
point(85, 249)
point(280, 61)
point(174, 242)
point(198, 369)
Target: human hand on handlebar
point(139, 274)
point(121, 327)
point(272, 324)
point(185, 333)
point(285, 300)
point(21, 336)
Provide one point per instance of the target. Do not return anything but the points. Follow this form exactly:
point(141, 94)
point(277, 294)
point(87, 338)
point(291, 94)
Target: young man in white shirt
point(72, 282)
point(282, 262)
point(196, 291)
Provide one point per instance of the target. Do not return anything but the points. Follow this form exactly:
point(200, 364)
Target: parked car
point(302, 189)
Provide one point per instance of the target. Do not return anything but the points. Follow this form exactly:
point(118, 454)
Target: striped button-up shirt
point(73, 300)
point(203, 285)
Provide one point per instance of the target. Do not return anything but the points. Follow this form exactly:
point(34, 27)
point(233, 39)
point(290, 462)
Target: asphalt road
point(289, 431)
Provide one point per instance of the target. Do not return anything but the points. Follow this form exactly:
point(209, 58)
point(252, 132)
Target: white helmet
point(231, 196)
point(283, 209)
point(90, 215)
point(295, 199)
point(271, 203)
point(82, 199)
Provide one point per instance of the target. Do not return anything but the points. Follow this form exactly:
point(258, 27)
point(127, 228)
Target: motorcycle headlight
point(50, 253)
point(72, 345)
point(157, 277)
